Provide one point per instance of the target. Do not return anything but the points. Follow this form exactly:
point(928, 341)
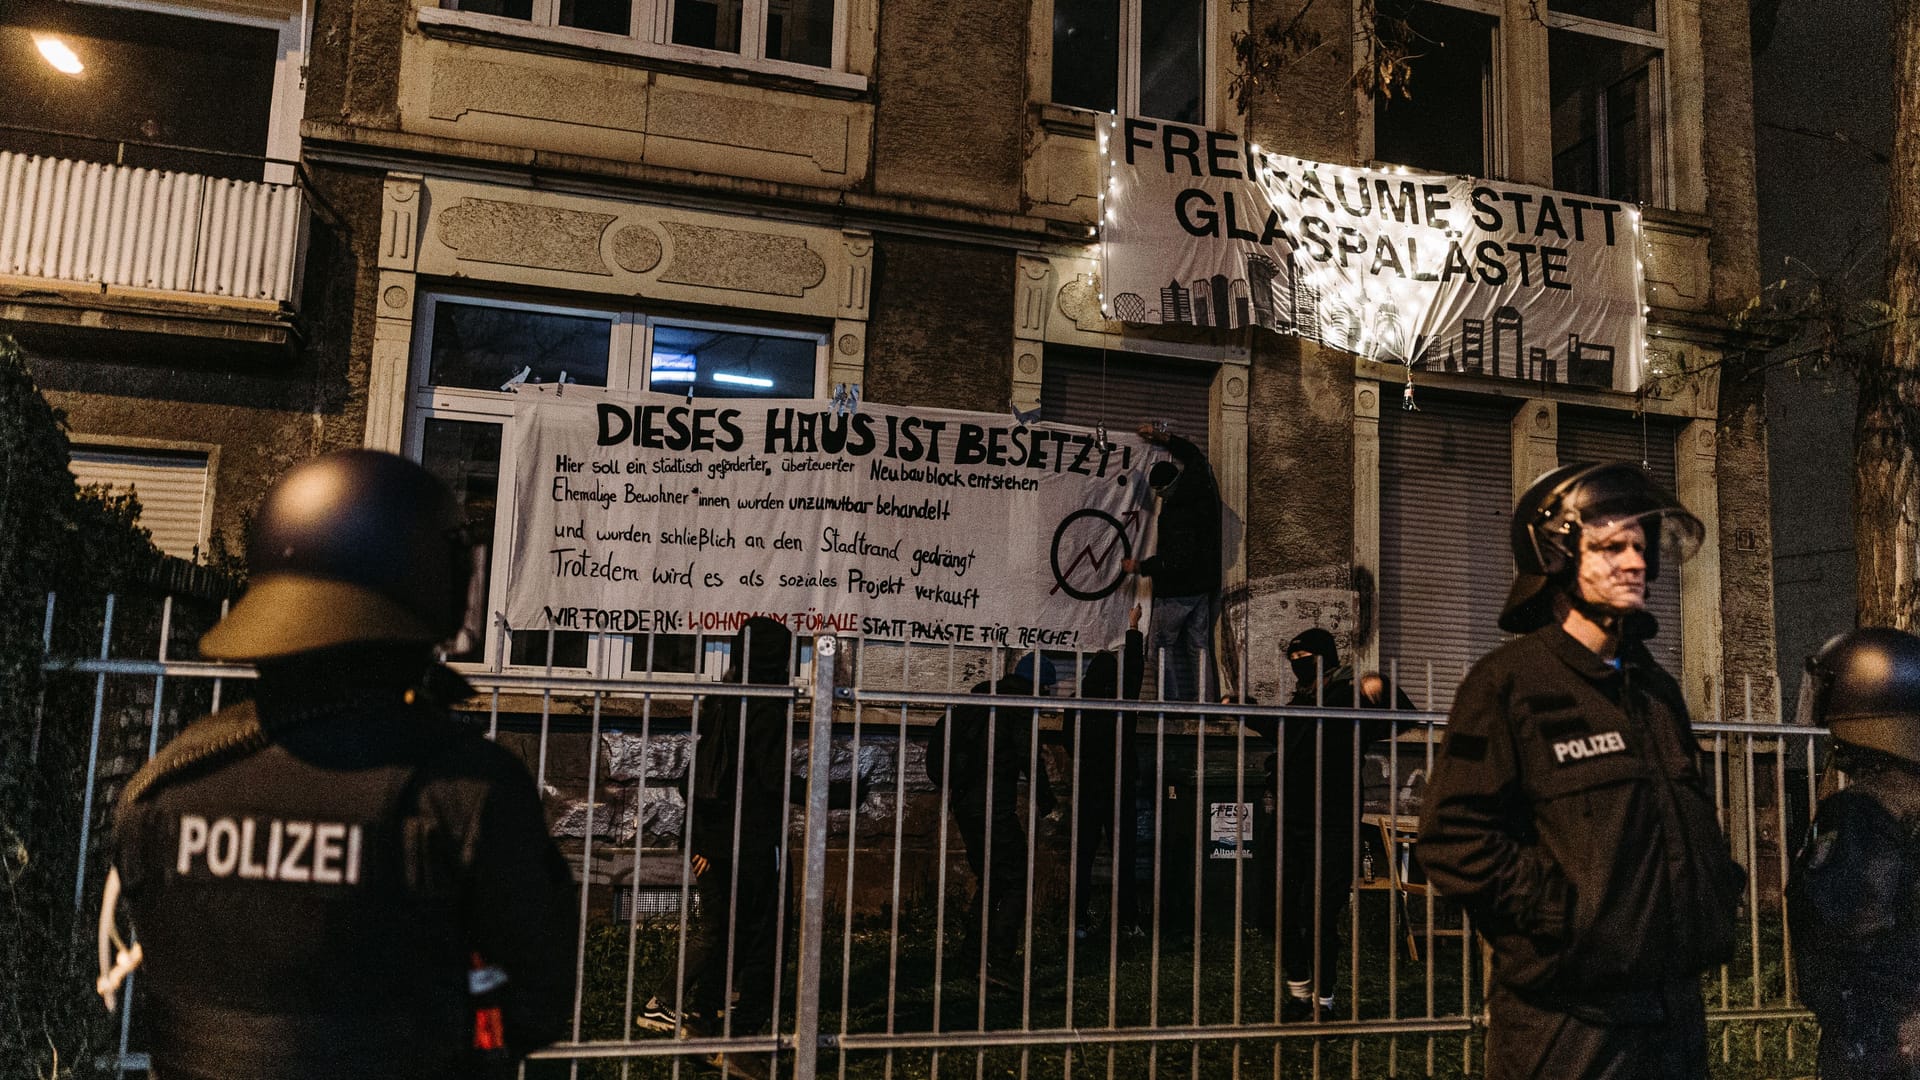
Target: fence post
point(813, 883)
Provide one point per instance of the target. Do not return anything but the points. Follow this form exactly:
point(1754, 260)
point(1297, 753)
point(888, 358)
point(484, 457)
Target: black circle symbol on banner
point(1095, 548)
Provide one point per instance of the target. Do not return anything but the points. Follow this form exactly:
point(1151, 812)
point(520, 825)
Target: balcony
point(89, 244)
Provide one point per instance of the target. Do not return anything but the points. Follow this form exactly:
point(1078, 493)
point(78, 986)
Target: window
point(1142, 57)
point(126, 102)
point(471, 351)
point(800, 32)
point(1605, 83)
point(171, 485)
point(1446, 125)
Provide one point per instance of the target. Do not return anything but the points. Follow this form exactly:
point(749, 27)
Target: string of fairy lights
point(1371, 340)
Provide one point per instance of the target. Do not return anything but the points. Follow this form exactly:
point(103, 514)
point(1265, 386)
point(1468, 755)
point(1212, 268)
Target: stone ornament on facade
point(741, 261)
point(399, 219)
point(1080, 301)
point(635, 249)
point(515, 234)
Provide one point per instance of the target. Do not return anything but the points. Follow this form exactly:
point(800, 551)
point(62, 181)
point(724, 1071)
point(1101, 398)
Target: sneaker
point(1298, 1011)
point(657, 1015)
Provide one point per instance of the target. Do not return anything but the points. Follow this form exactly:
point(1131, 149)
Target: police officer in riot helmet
point(1568, 809)
point(335, 879)
point(1853, 901)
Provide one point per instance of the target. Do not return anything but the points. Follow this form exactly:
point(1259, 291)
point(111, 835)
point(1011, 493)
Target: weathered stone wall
point(1300, 508)
point(950, 98)
point(941, 328)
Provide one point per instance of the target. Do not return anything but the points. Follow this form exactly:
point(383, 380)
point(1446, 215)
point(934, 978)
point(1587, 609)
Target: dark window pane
point(605, 16)
point(1441, 127)
point(465, 454)
point(1604, 140)
point(800, 31)
point(707, 24)
point(677, 654)
point(484, 347)
point(729, 363)
point(1172, 59)
point(131, 102)
point(529, 648)
point(511, 9)
point(1086, 53)
point(1635, 13)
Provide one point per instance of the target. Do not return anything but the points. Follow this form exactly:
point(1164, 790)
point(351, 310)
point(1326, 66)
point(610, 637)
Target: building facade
point(780, 197)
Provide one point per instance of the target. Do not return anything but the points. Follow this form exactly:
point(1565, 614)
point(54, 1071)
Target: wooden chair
point(1397, 835)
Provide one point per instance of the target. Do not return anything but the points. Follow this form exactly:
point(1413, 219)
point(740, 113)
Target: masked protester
point(1853, 901)
point(314, 875)
point(1311, 783)
point(1185, 567)
point(738, 802)
point(1568, 809)
point(985, 746)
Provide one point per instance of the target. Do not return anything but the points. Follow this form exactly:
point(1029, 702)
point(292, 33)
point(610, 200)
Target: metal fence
point(882, 957)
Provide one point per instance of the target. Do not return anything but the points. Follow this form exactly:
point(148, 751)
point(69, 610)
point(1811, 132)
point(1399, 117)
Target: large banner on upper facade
point(1446, 273)
point(673, 516)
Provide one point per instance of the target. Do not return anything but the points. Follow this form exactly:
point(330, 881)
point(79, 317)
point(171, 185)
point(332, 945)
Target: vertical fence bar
point(93, 759)
point(813, 885)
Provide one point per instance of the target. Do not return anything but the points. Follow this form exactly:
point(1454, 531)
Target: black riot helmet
point(1866, 689)
point(352, 546)
point(1548, 518)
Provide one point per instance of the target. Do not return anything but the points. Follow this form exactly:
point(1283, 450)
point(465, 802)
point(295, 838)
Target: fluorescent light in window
point(58, 54)
point(672, 376)
point(742, 380)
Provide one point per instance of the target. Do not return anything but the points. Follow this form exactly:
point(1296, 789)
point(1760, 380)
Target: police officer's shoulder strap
point(231, 733)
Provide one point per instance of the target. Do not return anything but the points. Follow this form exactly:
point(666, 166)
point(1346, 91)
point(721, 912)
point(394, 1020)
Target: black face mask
point(1308, 668)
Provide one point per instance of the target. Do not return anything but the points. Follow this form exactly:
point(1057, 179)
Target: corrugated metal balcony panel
point(140, 228)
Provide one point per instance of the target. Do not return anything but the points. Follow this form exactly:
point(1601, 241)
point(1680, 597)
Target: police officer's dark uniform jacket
point(1854, 903)
point(1853, 900)
point(1574, 820)
point(312, 875)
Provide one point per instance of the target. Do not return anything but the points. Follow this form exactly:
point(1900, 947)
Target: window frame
point(628, 374)
point(1493, 107)
point(1659, 95)
point(1126, 93)
point(650, 36)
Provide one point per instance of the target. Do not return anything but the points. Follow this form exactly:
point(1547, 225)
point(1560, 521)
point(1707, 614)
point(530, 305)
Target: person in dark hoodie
point(1185, 567)
point(737, 799)
point(1311, 783)
point(1568, 809)
point(324, 878)
point(983, 751)
point(1105, 744)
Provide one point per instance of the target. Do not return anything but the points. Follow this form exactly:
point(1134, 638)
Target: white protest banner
point(669, 516)
point(1448, 273)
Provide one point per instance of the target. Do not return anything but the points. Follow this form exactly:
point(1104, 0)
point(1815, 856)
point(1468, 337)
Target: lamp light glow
point(57, 53)
point(741, 380)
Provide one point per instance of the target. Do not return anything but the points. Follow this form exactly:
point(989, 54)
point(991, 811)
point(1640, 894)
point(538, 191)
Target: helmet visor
point(1615, 495)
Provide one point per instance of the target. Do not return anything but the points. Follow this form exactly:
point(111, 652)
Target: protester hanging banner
point(672, 516)
point(1445, 273)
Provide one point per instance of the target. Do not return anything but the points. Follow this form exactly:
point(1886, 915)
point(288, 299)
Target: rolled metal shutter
point(1124, 390)
point(1445, 558)
point(1600, 435)
point(171, 487)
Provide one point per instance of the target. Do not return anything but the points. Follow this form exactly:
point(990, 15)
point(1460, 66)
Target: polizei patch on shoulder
point(1605, 742)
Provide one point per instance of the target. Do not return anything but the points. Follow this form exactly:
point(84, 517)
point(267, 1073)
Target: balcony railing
point(110, 225)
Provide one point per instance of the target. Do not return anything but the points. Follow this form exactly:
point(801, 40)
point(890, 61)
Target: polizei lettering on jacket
point(1607, 742)
point(269, 849)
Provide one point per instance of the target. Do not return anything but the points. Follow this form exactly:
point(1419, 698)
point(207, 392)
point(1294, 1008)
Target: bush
point(80, 543)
